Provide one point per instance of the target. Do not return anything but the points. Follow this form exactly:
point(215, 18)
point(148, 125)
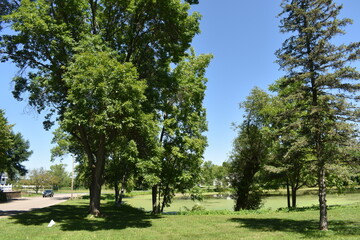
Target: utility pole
point(72, 177)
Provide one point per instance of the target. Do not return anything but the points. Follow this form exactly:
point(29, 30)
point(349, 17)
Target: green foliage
point(5, 139)
point(40, 178)
point(59, 177)
point(321, 83)
point(250, 151)
point(196, 208)
point(103, 69)
point(212, 173)
point(13, 150)
point(183, 124)
point(196, 193)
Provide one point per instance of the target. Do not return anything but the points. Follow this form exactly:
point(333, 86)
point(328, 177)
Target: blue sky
point(242, 35)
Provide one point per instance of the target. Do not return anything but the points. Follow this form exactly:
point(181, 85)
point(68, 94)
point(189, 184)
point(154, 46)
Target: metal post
point(72, 177)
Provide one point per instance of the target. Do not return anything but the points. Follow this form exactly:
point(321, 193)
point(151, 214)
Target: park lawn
point(127, 222)
point(272, 202)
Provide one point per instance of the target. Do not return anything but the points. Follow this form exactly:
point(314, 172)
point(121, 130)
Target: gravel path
point(28, 204)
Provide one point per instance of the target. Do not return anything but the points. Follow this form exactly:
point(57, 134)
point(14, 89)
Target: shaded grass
point(73, 217)
point(127, 222)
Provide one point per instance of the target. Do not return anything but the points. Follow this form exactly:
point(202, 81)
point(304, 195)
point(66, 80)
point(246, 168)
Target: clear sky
point(241, 34)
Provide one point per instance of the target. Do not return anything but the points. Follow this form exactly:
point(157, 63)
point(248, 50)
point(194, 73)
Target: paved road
point(27, 204)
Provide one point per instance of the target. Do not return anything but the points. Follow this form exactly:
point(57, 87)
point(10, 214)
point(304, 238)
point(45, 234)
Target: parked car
point(48, 193)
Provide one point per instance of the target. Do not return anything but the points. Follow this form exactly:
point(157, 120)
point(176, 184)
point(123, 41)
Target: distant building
point(3, 178)
point(3, 186)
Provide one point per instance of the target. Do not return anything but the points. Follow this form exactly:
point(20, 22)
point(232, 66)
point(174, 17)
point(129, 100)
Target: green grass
point(127, 222)
point(271, 202)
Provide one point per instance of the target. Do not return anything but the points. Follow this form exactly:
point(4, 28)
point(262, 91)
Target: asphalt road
point(28, 204)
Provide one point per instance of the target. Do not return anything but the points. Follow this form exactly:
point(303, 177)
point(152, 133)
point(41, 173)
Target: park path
point(25, 204)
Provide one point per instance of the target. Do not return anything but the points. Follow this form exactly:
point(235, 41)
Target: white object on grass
point(52, 223)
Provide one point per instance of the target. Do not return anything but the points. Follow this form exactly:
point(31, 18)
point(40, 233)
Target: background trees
point(59, 177)
point(40, 179)
point(13, 149)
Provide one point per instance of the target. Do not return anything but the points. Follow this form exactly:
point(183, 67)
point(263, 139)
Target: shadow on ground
point(75, 218)
point(308, 228)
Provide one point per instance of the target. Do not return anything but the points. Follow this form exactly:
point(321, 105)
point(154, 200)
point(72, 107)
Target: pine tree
point(323, 81)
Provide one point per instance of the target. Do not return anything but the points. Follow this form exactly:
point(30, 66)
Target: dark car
point(48, 193)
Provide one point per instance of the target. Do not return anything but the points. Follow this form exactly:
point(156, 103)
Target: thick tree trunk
point(95, 195)
point(242, 198)
point(96, 179)
point(165, 198)
point(322, 199)
point(155, 208)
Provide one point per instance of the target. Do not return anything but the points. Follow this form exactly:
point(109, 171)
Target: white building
point(3, 186)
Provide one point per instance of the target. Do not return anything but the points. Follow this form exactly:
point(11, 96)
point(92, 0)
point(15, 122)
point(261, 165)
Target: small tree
point(40, 178)
point(59, 177)
point(181, 137)
point(250, 152)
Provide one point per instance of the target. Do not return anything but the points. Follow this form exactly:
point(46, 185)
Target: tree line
point(55, 178)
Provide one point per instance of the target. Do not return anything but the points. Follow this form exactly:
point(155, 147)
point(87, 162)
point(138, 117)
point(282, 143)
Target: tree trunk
point(293, 196)
point(95, 195)
point(165, 198)
point(155, 209)
point(117, 190)
point(288, 194)
point(121, 196)
point(123, 182)
point(322, 198)
point(96, 179)
point(242, 198)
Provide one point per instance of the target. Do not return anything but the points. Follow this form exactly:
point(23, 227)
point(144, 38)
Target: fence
point(6, 188)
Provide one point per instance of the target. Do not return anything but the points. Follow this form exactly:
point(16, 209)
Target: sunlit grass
point(271, 202)
point(126, 222)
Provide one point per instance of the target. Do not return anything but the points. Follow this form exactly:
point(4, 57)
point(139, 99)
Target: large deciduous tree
point(105, 99)
point(322, 79)
point(142, 38)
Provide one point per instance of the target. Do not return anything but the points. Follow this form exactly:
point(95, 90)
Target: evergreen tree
point(322, 79)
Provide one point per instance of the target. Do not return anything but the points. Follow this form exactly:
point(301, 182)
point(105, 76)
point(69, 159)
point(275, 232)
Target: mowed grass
point(271, 202)
point(127, 222)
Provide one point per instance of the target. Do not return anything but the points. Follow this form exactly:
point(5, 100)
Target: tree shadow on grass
point(308, 228)
point(75, 218)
